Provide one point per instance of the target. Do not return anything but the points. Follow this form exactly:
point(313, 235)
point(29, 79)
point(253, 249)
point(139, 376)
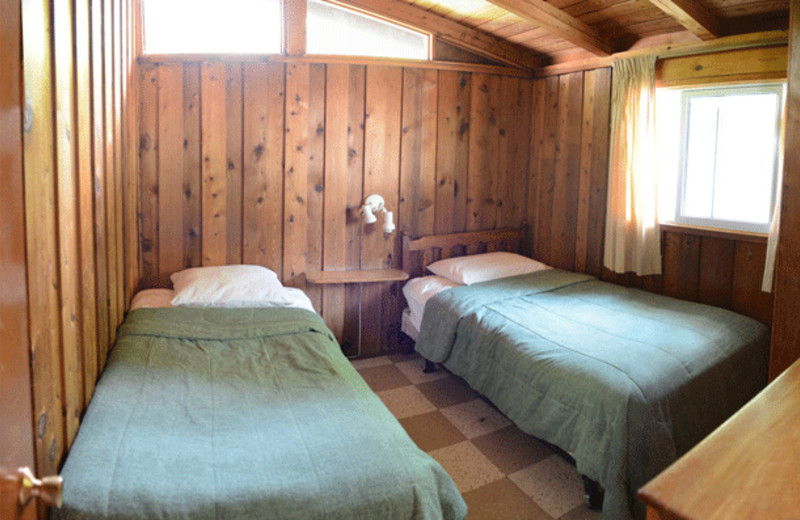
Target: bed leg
point(593, 494)
point(430, 366)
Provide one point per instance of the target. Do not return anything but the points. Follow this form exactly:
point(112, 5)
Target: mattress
point(417, 292)
point(624, 380)
point(152, 299)
point(243, 413)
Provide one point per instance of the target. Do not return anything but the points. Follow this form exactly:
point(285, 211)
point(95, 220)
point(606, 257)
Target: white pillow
point(472, 269)
point(224, 286)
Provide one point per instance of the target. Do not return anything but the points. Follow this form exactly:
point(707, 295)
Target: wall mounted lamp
point(375, 204)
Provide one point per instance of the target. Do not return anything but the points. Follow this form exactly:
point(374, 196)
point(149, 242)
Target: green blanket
point(623, 380)
point(243, 413)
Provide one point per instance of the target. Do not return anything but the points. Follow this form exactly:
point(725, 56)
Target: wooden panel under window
point(567, 199)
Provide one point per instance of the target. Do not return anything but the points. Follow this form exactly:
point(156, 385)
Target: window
point(719, 155)
point(212, 26)
point(335, 30)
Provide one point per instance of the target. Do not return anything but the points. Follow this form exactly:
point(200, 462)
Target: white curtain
point(775, 227)
point(632, 240)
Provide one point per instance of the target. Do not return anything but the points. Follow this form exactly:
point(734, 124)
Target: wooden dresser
point(747, 468)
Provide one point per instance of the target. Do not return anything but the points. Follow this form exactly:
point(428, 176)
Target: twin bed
point(253, 412)
point(206, 411)
point(623, 380)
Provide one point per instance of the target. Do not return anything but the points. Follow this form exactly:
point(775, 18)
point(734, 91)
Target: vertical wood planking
point(85, 196)
point(263, 165)
point(337, 158)
point(483, 151)
point(599, 170)
point(213, 130)
point(748, 270)
point(73, 159)
point(130, 94)
point(67, 218)
point(110, 166)
point(233, 162)
point(99, 180)
point(506, 153)
point(148, 165)
point(356, 121)
point(315, 196)
point(520, 139)
point(535, 165)
point(119, 108)
point(565, 188)
point(415, 212)
point(295, 212)
point(786, 330)
point(585, 179)
point(381, 176)
point(41, 233)
point(452, 144)
point(549, 93)
point(715, 284)
point(192, 168)
point(170, 177)
point(682, 266)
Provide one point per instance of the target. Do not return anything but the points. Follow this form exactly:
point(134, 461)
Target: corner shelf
point(356, 276)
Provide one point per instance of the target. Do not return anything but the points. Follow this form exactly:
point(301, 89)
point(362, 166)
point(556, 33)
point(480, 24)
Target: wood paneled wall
point(75, 70)
point(567, 204)
point(569, 169)
point(267, 164)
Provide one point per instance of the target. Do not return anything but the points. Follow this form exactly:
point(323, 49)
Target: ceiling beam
point(559, 23)
point(692, 15)
point(454, 33)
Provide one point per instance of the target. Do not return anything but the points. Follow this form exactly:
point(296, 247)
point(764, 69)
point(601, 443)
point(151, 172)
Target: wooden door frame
point(16, 405)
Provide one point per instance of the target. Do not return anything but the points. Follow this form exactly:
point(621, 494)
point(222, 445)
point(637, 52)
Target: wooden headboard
point(418, 253)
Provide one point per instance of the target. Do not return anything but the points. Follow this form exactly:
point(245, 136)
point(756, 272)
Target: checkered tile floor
point(502, 473)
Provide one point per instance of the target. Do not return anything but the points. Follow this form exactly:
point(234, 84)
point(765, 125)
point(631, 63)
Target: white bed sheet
point(417, 292)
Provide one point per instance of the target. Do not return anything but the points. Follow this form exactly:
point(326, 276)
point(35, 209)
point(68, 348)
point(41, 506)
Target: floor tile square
point(553, 483)
point(406, 401)
point(448, 391)
point(398, 357)
point(358, 364)
point(502, 500)
point(469, 468)
point(582, 513)
point(413, 371)
point(475, 418)
point(432, 431)
point(384, 377)
point(511, 449)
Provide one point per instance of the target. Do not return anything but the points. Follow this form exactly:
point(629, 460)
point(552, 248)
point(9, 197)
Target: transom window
point(254, 27)
point(719, 149)
point(336, 30)
point(212, 26)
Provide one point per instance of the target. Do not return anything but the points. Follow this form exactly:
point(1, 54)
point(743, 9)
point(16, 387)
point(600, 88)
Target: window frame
point(140, 37)
point(722, 91)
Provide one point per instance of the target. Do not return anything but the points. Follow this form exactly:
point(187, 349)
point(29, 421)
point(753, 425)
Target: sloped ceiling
point(557, 31)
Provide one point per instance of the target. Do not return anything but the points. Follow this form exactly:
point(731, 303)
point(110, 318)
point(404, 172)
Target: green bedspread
point(247, 414)
point(624, 380)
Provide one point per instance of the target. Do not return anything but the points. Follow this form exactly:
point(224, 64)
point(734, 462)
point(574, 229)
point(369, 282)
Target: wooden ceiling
point(531, 33)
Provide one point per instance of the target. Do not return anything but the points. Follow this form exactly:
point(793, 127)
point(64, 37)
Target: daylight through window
point(719, 154)
point(212, 27)
point(335, 30)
